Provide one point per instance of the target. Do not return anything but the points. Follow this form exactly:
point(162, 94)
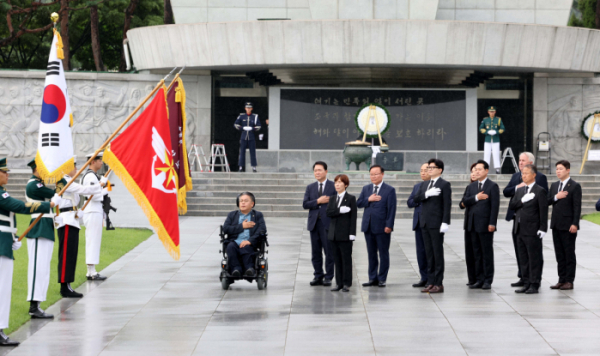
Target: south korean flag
point(54, 157)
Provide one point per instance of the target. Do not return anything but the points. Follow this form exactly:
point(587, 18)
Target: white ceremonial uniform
point(93, 215)
point(6, 274)
point(69, 199)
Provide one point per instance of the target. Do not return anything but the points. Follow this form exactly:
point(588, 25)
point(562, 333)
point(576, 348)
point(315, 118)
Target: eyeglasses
point(375, 174)
point(433, 167)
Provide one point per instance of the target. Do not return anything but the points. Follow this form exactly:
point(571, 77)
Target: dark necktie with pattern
point(430, 185)
point(560, 187)
point(480, 186)
point(320, 189)
point(375, 191)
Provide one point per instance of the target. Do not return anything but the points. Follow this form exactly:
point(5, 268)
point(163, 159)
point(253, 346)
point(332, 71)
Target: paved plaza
point(152, 305)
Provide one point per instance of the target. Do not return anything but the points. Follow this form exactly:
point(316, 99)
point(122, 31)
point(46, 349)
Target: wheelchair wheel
point(225, 283)
point(261, 283)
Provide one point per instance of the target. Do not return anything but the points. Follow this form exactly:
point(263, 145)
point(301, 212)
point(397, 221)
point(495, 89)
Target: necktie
point(526, 189)
point(560, 187)
point(375, 192)
point(480, 185)
point(430, 185)
point(337, 202)
point(320, 189)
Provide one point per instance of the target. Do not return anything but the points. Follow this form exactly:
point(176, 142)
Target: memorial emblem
point(163, 172)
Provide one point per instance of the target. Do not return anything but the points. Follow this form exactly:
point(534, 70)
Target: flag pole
point(175, 79)
point(110, 138)
point(91, 196)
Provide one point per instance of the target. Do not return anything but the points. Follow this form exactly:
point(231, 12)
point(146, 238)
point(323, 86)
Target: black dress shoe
point(381, 284)
point(533, 289)
point(316, 282)
point(37, 313)
point(486, 286)
point(96, 277)
point(250, 272)
point(470, 284)
point(337, 289)
point(327, 282)
point(520, 283)
point(236, 273)
point(6, 341)
point(371, 284)
point(420, 284)
point(67, 292)
point(476, 285)
point(522, 290)
point(346, 289)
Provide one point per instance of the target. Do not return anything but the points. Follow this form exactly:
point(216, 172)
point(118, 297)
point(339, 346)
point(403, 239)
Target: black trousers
point(378, 251)
point(68, 247)
point(235, 253)
point(421, 255)
point(531, 257)
point(483, 247)
point(564, 248)
point(320, 244)
point(434, 249)
point(342, 257)
point(515, 239)
point(251, 144)
point(470, 258)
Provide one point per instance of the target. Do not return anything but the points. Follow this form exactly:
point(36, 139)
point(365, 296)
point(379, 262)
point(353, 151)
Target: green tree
point(588, 10)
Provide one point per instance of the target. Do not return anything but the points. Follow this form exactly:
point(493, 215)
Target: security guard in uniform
point(248, 123)
point(491, 127)
point(9, 243)
point(40, 245)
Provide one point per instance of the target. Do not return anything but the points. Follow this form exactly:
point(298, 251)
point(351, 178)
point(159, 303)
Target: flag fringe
point(116, 165)
point(60, 54)
point(57, 174)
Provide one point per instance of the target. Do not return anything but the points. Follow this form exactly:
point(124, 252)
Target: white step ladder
point(195, 157)
point(508, 153)
point(217, 150)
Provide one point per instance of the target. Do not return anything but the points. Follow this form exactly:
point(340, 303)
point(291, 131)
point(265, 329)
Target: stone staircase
point(281, 194)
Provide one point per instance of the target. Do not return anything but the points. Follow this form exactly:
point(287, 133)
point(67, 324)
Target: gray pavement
point(152, 305)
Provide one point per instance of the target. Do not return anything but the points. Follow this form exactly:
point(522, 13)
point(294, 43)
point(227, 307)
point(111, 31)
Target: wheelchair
point(261, 263)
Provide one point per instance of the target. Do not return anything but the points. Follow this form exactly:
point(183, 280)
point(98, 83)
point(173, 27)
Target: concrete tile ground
point(152, 305)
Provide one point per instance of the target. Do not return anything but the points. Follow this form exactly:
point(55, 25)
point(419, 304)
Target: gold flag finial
point(54, 17)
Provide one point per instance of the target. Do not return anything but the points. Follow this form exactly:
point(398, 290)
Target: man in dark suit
point(420, 245)
point(598, 205)
point(435, 197)
point(565, 196)
point(483, 203)
point(515, 183)
point(530, 205)
point(379, 201)
point(315, 201)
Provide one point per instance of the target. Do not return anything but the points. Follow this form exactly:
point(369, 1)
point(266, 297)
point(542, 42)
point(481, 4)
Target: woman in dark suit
point(342, 231)
point(469, 252)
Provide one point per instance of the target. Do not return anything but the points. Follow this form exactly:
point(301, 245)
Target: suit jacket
point(342, 226)
point(483, 213)
point(379, 214)
point(317, 210)
point(412, 204)
point(464, 207)
point(516, 179)
point(436, 210)
point(598, 205)
point(233, 228)
point(532, 216)
point(566, 211)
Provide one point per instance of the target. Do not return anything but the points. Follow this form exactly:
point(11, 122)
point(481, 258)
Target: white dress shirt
point(564, 184)
point(341, 197)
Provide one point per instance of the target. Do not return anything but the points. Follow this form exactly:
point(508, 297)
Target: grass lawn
point(115, 244)
point(595, 218)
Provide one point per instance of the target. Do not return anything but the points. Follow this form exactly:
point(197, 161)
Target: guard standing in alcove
point(247, 123)
point(492, 127)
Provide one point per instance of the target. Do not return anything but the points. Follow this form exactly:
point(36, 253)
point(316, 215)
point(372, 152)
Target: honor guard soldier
point(93, 217)
point(40, 245)
point(9, 243)
point(492, 127)
point(67, 223)
point(247, 123)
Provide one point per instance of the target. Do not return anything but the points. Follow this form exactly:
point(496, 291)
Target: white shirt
point(482, 184)
point(324, 183)
point(378, 187)
point(564, 184)
point(341, 197)
point(530, 186)
point(434, 181)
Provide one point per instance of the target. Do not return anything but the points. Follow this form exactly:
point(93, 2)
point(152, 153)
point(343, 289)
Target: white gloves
point(247, 128)
point(433, 192)
point(344, 210)
point(56, 199)
point(103, 180)
point(541, 234)
point(527, 197)
point(16, 245)
point(104, 191)
point(444, 228)
point(492, 132)
point(352, 237)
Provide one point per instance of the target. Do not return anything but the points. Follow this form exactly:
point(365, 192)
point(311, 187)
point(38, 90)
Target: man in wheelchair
point(245, 229)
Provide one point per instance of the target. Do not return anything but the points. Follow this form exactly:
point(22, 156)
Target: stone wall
point(560, 104)
point(100, 103)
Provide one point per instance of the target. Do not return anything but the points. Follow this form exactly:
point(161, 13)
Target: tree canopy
point(584, 14)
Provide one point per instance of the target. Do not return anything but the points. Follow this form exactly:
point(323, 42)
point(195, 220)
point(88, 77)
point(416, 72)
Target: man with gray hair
point(516, 182)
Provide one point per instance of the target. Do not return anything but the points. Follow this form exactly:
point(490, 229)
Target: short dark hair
point(532, 167)
point(485, 164)
point(564, 163)
point(342, 178)
point(438, 162)
point(377, 166)
point(248, 194)
point(471, 171)
point(320, 163)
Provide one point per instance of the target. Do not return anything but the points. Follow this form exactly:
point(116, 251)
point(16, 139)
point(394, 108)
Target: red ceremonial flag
point(141, 157)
